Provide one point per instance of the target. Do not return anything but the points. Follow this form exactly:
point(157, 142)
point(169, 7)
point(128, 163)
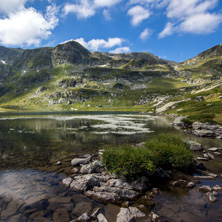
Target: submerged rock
point(129, 214)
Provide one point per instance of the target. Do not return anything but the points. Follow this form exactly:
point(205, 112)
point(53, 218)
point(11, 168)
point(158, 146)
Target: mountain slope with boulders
point(69, 77)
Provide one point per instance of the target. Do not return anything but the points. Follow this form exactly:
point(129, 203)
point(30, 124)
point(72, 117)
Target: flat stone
point(202, 158)
point(67, 181)
point(211, 197)
point(103, 196)
point(78, 161)
point(129, 214)
point(204, 177)
point(211, 156)
point(60, 200)
point(81, 208)
point(217, 188)
point(84, 218)
point(101, 218)
point(205, 188)
point(61, 215)
point(191, 185)
point(213, 149)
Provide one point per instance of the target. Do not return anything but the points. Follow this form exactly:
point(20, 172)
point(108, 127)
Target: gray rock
point(78, 161)
point(61, 215)
point(84, 218)
point(67, 181)
point(205, 188)
point(101, 218)
point(179, 121)
point(81, 208)
point(211, 156)
point(195, 146)
point(211, 197)
point(83, 183)
point(204, 133)
point(103, 196)
point(179, 183)
point(94, 167)
point(213, 149)
point(191, 185)
point(129, 214)
point(202, 158)
point(154, 217)
point(217, 188)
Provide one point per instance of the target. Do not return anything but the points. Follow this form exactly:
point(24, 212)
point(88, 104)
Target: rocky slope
point(69, 77)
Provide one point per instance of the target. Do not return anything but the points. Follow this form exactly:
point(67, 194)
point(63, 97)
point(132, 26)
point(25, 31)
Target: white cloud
point(82, 10)
point(138, 14)
point(88, 8)
point(107, 14)
point(121, 50)
point(191, 16)
point(96, 44)
point(10, 6)
point(145, 34)
point(27, 26)
point(168, 30)
point(106, 3)
point(201, 23)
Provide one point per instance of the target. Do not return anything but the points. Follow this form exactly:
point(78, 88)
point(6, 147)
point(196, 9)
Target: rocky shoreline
point(91, 178)
point(199, 129)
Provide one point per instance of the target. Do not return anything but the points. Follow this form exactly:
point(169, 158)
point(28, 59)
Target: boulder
point(204, 133)
point(84, 218)
point(211, 197)
point(78, 161)
point(179, 121)
point(101, 218)
point(205, 188)
point(83, 183)
point(67, 181)
point(94, 167)
point(129, 214)
point(60, 215)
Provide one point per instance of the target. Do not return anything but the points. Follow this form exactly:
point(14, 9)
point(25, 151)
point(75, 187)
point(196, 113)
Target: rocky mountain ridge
point(69, 77)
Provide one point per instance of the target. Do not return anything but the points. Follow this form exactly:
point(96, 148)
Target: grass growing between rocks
point(164, 150)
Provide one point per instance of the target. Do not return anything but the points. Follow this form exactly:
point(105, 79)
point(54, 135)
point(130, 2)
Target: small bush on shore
point(164, 150)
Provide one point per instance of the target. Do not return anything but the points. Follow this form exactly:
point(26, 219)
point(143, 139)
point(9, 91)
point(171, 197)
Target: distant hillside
point(69, 77)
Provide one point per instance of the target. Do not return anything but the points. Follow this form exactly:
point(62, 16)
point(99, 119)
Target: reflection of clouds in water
point(111, 123)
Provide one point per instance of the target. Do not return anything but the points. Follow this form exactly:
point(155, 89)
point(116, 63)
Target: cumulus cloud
point(138, 14)
point(145, 34)
point(120, 50)
point(10, 6)
point(191, 16)
point(96, 44)
point(25, 26)
point(168, 30)
point(88, 8)
point(82, 10)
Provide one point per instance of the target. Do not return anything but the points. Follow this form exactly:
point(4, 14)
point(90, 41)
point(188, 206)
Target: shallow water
point(30, 179)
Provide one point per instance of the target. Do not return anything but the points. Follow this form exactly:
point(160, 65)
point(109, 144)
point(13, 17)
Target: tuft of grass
point(164, 150)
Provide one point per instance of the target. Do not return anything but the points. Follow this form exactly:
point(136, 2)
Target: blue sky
point(171, 29)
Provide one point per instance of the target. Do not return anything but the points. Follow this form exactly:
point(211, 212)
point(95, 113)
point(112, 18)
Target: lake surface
point(30, 178)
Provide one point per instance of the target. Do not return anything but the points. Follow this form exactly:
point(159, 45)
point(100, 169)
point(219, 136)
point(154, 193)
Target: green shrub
point(127, 160)
point(169, 151)
point(164, 150)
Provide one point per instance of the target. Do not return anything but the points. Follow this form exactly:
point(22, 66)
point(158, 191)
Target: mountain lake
point(36, 150)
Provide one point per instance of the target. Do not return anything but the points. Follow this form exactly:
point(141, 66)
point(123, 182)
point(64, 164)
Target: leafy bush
point(127, 160)
point(168, 151)
point(161, 151)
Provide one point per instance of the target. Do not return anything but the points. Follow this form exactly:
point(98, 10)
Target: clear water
point(32, 144)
